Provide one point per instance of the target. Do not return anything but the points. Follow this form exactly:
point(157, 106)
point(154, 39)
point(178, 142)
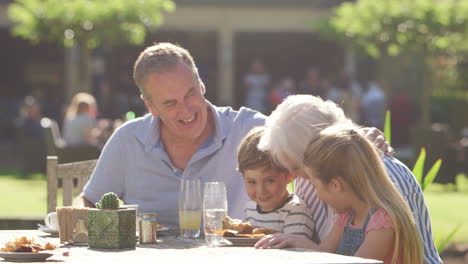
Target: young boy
point(272, 206)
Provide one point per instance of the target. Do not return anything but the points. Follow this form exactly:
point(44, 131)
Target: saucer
point(162, 229)
point(47, 229)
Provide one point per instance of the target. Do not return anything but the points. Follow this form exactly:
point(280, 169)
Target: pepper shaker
point(148, 223)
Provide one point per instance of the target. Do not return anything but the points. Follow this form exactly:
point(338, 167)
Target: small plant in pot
point(110, 226)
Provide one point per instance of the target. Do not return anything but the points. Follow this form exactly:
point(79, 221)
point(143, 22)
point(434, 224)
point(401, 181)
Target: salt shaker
point(148, 228)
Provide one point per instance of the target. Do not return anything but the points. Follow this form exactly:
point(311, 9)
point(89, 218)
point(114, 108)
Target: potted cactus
point(110, 226)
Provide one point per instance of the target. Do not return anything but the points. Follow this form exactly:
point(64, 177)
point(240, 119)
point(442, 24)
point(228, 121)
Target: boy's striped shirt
point(294, 217)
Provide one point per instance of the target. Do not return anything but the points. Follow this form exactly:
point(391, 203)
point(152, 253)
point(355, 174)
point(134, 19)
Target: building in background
point(223, 36)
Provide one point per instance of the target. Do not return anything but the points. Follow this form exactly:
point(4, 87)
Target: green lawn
point(27, 198)
point(448, 208)
point(23, 197)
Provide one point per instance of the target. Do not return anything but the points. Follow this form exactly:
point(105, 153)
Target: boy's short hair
point(250, 157)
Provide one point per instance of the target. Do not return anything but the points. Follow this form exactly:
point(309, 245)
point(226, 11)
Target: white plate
point(163, 228)
point(242, 241)
point(25, 256)
point(47, 229)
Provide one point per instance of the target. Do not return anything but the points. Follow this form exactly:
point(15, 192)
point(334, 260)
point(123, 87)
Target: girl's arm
point(377, 244)
point(331, 242)
point(281, 240)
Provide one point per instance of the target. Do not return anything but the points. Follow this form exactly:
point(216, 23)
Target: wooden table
point(171, 249)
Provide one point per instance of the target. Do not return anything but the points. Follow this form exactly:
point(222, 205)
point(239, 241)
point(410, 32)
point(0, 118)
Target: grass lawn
point(448, 209)
point(27, 198)
point(23, 197)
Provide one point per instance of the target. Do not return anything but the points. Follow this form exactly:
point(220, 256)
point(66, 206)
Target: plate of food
point(24, 249)
point(241, 233)
point(243, 240)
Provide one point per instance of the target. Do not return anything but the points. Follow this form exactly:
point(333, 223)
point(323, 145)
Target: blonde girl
point(374, 221)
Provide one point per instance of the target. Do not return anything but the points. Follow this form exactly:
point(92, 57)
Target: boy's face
point(267, 187)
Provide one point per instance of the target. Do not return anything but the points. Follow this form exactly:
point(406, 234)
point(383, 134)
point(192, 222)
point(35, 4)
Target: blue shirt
point(135, 166)
point(409, 188)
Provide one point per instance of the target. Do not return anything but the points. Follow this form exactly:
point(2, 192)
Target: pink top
point(379, 220)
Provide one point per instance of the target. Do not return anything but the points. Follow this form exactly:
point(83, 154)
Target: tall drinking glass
point(190, 208)
point(214, 211)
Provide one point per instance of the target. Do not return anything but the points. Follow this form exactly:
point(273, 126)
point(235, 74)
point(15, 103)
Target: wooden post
point(67, 183)
point(52, 162)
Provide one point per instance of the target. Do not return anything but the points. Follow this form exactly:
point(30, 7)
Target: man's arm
point(82, 201)
point(408, 186)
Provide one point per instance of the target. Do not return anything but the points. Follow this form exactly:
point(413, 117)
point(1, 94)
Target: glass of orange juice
point(190, 208)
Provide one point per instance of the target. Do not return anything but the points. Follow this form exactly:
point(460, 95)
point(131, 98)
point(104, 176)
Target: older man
point(184, 136)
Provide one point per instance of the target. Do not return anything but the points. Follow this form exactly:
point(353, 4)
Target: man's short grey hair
point(161, 57)
point(294, 123)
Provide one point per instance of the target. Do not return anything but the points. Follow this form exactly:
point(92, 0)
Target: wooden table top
point(170, 249)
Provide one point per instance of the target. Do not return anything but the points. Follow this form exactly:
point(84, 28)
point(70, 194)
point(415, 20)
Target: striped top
point(294, 217)
point(405, 182)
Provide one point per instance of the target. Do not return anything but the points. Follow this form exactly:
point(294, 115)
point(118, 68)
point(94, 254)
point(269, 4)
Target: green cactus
point(108, 201)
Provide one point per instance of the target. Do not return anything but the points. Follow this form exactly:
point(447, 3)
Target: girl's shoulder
point(342, 218)
point(380, 219)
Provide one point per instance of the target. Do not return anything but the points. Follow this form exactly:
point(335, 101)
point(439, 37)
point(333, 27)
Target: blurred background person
point(284, 88)
point(29, 120)
point(257, 82)
point(30, 136)
point(312, 84)
point(347, 97)
point(373, 105)
point(79, 127)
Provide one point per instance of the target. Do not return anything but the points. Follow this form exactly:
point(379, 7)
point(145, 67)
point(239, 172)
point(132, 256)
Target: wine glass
point(214, 211)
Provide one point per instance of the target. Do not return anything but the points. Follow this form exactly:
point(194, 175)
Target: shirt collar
point(149, 131)
point(260, 211)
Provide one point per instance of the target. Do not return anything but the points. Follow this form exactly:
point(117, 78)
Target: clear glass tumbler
point(214, 211)
point(190, 208)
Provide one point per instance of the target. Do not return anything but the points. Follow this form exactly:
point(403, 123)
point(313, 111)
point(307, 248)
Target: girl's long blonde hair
point(340, 151)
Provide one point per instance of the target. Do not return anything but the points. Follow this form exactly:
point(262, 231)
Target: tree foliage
point(392, 26)
point(433, 28)
point(86, 22)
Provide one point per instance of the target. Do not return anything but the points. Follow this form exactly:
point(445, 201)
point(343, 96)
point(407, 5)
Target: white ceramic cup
point(51, 221)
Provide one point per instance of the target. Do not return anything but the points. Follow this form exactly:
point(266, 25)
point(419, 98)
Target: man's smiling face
point(176, 97)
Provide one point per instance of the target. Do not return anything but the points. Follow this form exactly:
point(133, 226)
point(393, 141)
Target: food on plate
point(25, 244)
point(264, 230)
point(238, 228)
point(237, 225)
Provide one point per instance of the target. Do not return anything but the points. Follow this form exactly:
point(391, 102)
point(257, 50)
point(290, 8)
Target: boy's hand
point(281, 240)
point(377, 137)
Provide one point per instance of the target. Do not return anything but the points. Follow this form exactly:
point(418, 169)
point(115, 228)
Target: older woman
point(297, 121)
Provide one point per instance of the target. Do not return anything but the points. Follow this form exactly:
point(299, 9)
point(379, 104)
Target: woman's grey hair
point(294, 123)
point(161, 57)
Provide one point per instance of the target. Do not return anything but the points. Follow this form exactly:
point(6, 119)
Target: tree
point(386, 28)
point(86, 24)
